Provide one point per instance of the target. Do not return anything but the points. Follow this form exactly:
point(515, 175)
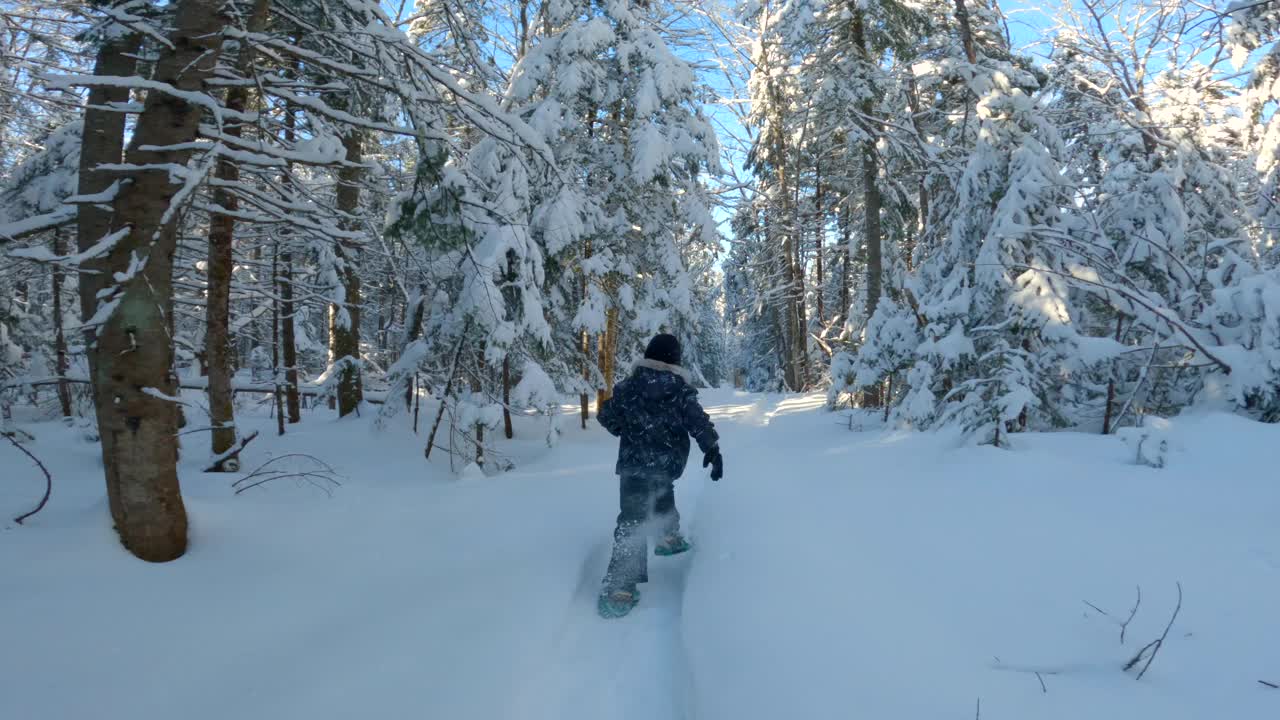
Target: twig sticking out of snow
point(1124, 624)
point(1269, 684)
point(320, 476)
point(1043, 689)
point(48, 479)
point(977, 714)
point(1155, 645)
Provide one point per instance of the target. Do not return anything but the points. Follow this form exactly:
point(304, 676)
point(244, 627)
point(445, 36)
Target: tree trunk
point(506, 397)
point(818, 237)
point(289, 341)
point(222, 226)
point(217, 339)
point(608, 348)
point(585, 345)
point(103, 143)
point(1109, 415)
point(59, 334)
point(276, 380)
point(846, 237)
point(344, 318)
point(586, 377)
point(476, 388)
point(797, 281)
point(922, 188)
point(872, 232)
point(966, 32)
point(288, 333)
point(133, 375)
point(791, 328)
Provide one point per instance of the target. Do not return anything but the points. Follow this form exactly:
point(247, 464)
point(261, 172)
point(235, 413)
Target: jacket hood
point(663, 367)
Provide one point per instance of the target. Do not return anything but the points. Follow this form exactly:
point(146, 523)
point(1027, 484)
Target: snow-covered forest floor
point(836, 574)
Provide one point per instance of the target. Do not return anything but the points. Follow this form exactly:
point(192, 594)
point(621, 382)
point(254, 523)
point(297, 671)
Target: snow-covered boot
point(673, 544)
point(616, 603)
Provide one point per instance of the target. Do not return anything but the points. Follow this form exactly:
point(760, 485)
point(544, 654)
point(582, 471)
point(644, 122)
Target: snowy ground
point(836, 574)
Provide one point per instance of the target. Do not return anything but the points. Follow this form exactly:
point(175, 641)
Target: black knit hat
point(664, 348)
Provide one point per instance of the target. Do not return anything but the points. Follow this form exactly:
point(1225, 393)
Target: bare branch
point(48, 479)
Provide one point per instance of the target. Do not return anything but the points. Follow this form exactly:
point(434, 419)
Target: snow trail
point(632, 668)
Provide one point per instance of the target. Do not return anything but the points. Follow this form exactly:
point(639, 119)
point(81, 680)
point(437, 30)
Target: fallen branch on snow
point(1271, 685)
point(223, 461)
point(48, 480)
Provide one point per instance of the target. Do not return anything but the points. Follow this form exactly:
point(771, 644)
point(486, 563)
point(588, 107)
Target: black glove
point(716, 461)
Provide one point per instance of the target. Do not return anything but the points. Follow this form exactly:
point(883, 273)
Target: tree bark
point(217, 337)
point(222, 227)
point(59, 334)
point(103, 143)
point(585, 344)
point(288, 333)
point(791, 328)
point(276, 381)
point(922, 188)
point(966, 32)
point(132, 374)
point(1111, 383)
point(506, 397)
point(584, 398)
point(846, 237)
point(818, 236)
point(476, 388)
point(344, 319)
point(608, 346)
point(289, 341)
point(872, 201)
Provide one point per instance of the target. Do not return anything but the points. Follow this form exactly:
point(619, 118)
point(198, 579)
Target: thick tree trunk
point(344, 319)
point(288, 333)
point(872, 232)
point(798, 284)
point(132, 377)
point(103, 144)
point(791, 326)
point(217, 338)
point(59, 334)
point(222, 226)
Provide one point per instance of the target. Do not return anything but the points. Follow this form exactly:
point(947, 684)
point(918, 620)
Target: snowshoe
point(617, 603)
point(671, 545)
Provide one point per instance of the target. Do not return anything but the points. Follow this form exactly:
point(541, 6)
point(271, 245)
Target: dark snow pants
point(647, 507)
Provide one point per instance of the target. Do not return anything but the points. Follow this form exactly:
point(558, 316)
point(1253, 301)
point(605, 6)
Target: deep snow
point(836, 574)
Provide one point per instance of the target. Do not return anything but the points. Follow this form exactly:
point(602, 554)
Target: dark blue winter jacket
point(654, 412)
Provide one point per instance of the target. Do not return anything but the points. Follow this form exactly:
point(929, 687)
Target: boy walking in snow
point(653, 412)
